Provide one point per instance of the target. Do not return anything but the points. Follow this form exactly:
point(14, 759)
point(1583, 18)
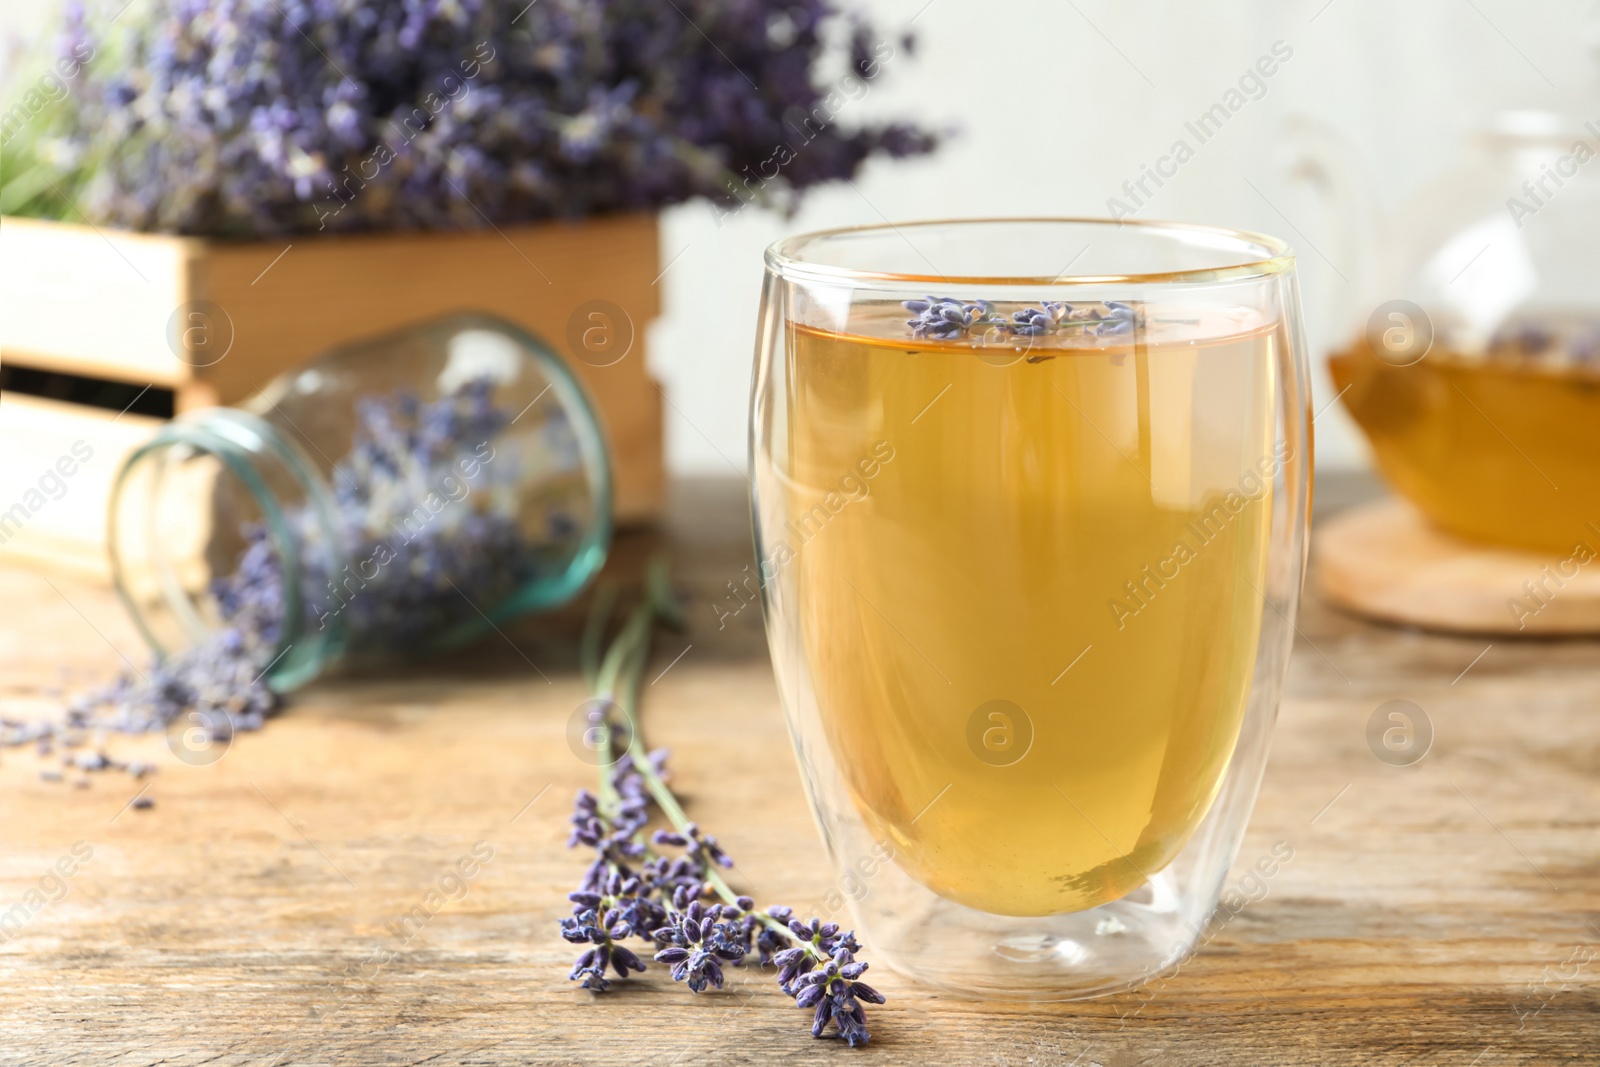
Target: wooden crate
point(98, 303)
point(57, 462)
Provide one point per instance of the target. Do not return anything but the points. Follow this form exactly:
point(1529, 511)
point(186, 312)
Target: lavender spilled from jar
point(428, 535)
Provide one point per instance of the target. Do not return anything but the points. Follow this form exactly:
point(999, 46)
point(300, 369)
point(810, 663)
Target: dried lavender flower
point(943, 318)
point(268, 117)
point(681, 903)
point(221, 685)
point(1554, 343)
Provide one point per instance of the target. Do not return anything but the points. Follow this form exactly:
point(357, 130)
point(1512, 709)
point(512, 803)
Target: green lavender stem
point(616, 679)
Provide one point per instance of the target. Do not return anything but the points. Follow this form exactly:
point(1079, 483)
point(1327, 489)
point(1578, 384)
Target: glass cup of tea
point(1030, 505)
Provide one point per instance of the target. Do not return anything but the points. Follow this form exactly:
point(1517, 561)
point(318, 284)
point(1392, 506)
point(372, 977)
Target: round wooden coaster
point(1385, 561)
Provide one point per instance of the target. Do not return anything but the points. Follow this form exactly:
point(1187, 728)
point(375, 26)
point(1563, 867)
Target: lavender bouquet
point(246, 118)
point(667, 888)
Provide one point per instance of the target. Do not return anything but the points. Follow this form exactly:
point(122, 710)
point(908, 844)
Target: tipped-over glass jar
point(396, 496)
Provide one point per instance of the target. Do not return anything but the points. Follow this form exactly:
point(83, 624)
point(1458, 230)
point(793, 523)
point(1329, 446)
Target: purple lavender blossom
point(432, 573)
point(697, 943)
point(631, 889)
point(1121, 319)
point(269, 117)
point(1524, 338)
point(943, 318)
point(1585, 347)
point(401, 448)
point(603, 930)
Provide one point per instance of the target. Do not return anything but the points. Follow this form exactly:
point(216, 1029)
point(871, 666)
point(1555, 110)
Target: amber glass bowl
point(1500, 450)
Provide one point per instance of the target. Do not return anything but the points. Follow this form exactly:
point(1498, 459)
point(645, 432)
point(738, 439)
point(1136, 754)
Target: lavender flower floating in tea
point(942, 318)
point(679, 902)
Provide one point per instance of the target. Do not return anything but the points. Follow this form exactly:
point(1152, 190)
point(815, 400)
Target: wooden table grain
point(302, 901)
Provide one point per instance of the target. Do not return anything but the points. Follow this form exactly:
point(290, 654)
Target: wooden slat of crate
point(98, 302)
point(60, 525)
point(92, 302)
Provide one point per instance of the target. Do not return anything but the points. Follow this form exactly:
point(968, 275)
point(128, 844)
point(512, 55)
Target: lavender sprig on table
point(678, 901)
point(943, 318)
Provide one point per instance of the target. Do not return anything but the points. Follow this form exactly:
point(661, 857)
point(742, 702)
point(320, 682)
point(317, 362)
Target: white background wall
point(1058, 102)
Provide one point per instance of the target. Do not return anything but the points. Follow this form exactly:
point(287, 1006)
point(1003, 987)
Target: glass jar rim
point(1264, 255)
point(237, 439)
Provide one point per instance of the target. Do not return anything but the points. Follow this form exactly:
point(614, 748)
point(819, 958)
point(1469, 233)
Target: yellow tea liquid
point(1497, 447)
point(1031, 630)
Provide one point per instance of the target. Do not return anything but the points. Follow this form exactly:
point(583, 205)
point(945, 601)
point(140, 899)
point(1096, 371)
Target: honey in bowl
point(1497, 442)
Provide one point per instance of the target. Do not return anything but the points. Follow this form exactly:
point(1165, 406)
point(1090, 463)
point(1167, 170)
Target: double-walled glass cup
point(1030, 505)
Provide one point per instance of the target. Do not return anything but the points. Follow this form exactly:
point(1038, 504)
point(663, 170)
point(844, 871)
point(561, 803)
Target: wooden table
point(1446, 912)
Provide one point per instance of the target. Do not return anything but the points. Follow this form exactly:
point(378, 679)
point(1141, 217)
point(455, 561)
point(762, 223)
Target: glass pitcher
point(1471, 360)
